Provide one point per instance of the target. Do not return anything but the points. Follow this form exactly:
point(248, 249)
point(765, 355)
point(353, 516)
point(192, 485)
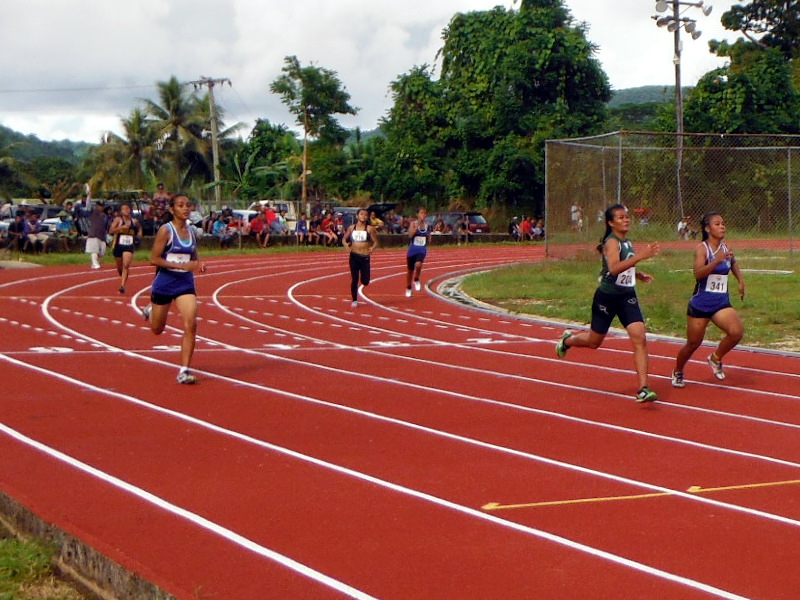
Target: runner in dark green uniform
point(616, 297)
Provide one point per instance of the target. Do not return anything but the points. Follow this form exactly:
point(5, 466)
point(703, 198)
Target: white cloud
point(110, 55)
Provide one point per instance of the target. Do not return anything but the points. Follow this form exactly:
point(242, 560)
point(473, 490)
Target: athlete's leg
point(728, 321)
point(588, 339)
point(695, 332)
point(354, 271)
point(637, 332)
point(187, 307)
point(158, 317)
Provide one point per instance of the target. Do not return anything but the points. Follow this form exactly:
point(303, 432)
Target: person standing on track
point(419, 233)
point(616, 297)
point(125, 230)
point(175, 257)
point(713, 261)
point(360, 239)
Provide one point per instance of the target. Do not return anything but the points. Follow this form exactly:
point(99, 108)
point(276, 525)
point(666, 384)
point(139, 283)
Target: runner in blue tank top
point(175, 257)
point(419, 234)
point(616, 297)
point(713, 261)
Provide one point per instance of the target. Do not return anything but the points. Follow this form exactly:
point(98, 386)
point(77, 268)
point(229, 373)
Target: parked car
point(476, 221)
point(348, 213)
point(278, 206)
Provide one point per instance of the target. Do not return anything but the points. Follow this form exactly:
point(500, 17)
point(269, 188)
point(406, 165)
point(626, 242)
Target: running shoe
point(716, 367)
point(677, 379)
point(122, 289)
point(146, 312)
point(561, 345)
point(646, 395)
point(408, 293)
point(186, 377)
point(417, 285)
point(354, 303)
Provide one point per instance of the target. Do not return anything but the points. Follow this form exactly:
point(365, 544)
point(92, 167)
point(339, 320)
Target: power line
point(86, 89)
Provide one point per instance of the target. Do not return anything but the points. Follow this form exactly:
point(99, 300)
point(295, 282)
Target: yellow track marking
point(695, 489)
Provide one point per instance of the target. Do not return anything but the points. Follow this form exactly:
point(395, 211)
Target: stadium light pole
point(674, 22)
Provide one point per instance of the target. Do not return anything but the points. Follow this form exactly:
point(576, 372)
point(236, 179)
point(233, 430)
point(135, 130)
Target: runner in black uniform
point(616, 297)
point(713, 261)
point(125, 230)
point(360, 239)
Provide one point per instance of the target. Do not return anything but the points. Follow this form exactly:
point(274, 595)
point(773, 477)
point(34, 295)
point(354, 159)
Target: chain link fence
point(663, 178)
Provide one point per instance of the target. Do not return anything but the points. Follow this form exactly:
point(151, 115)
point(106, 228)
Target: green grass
point(25, 573)
point(562, 291)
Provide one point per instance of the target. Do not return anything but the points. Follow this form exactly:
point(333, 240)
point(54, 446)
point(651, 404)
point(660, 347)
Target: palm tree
point(131, 160)
point(178, 123)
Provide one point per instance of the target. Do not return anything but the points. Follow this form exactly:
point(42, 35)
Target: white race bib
point(717, 284)
point(358, 236)
point(420, 241)
point(178, 258)
point(627, 278)
point(126, 240)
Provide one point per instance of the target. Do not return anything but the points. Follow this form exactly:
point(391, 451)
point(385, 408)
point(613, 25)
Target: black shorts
point(162, 299)
point(118, 250)
point(606, 306)
point(691, 311)
point(412, 261)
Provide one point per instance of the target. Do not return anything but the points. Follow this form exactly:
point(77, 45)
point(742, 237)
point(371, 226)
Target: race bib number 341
point(717, 284)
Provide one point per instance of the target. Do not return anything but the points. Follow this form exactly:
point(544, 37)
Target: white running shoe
point(354, 304)
point(146, 312)
point(716, 367)
point(186, 377)
point(417, 285)
point(408, 293)
point(677, 379)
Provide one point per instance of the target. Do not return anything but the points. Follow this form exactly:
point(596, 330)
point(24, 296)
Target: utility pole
point(210, 83)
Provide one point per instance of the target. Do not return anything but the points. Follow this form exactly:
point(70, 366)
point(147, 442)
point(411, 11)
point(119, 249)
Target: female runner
point(713, 261)
point(125, 230)
point(419, 233)
point(175, 257)
point(616, 296)
point(360, 239)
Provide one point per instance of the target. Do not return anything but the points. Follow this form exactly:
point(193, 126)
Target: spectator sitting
point(462, 231)
point(260, 230)
point(16, 232)
point(525, 229)
point(33, 232)
point(66, 231)
point(220, 231)
point(327, 230)
point(441, 228)
point(537, 233)
point(301, 230)
point(514, 230)
point(377, 223)
point(208, 222)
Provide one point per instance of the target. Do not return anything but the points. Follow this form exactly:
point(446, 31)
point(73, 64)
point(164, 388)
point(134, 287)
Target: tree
point(130, 160)
point(767, 23)
point(313, 95)
point(178, 123)
point(509, 81)
point(754, 94)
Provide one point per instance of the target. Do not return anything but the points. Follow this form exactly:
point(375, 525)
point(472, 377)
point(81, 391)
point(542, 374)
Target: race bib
point(420, 241)
point(627, 278)
point(126, 240)
point(717, 284)
point(358, 236)
point(177, 258)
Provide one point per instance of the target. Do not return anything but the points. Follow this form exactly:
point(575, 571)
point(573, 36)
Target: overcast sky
point(73, 68)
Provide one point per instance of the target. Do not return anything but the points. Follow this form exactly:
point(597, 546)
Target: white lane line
point(187, 515)
point(244, 542)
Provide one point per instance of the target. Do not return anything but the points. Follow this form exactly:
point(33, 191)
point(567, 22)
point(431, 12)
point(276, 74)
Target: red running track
point(410, 448)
